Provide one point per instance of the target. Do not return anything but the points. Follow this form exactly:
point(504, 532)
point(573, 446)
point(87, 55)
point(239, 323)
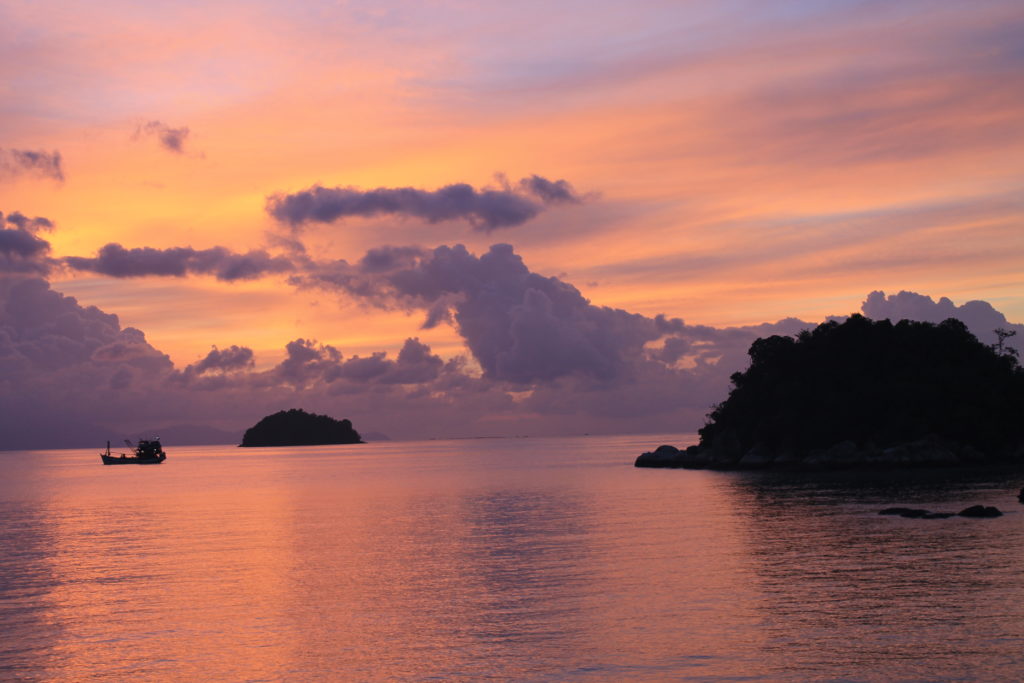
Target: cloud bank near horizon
point(979, 316)
point(540, 357)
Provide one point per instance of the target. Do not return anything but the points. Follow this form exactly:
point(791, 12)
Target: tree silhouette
point(298, 428)
point(1000, 347)
point(875, 383)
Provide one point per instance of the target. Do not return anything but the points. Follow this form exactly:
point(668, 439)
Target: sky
point(448, 219)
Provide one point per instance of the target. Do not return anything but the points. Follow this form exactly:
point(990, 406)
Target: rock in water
point(915, 513)
point(981, 511)
point(662, 456)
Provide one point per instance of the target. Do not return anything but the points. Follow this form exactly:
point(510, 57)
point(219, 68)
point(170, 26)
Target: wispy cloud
point(171, 139)
point(40, 163)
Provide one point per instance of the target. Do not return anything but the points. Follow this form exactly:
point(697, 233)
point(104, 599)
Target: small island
point(865, 394)
point(298, 428)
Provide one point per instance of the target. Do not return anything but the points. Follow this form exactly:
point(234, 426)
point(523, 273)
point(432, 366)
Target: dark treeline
point(875, 383)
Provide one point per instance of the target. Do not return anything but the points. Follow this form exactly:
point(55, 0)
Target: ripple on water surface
point(535, 559)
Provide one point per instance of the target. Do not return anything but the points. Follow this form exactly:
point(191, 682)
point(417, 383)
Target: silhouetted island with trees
point(865, 394)
point(298, 428)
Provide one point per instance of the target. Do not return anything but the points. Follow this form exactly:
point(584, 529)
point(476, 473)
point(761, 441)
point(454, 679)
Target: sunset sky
point(273, 194)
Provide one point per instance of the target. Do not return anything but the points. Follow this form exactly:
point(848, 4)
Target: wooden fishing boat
point(147, 452)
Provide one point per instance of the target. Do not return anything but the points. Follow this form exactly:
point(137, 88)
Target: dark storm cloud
point(16, 162)
point(485, 209)
point(171, 139)
point(116, 261)
point(21, 250)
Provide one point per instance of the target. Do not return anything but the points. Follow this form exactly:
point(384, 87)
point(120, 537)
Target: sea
point(529, 559)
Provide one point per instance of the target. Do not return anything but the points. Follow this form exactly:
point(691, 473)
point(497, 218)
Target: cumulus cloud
point(521, 327)
point(117, 261)
point(54, 352)
point(22, 222)
point(58, 356)
point(17, 162)
point(979, 316)
point(130, 349)
point(541, 357)
point(231, 359)
point(306, 362)
point(171, 139)
point(415, 365)
point(21, 249)
point(216, 369)
point(485, 209)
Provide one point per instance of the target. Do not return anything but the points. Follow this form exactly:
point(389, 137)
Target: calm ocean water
point(523, 559)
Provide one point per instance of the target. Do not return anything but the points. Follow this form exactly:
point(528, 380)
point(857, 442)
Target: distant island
point(865, 394)
point(298, 428)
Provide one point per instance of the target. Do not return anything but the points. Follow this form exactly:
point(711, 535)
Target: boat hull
point(131, 460)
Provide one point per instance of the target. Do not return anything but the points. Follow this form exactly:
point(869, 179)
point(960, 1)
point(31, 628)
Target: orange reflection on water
point(515, 559)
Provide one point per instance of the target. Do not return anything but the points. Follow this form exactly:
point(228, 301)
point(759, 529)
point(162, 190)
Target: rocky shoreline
point(727, 454)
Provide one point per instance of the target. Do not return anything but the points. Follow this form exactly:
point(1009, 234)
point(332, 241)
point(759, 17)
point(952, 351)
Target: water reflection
point(526, 561)
point(26, 581)
point(547, 560)
point(886, 597)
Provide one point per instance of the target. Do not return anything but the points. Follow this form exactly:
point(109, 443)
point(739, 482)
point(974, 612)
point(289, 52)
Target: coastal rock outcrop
point(298, 428)
point(980, 511)
point(864, 394)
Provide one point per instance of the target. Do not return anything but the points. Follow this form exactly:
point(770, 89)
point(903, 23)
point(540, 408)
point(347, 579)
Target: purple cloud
point(979, 316)
point(116, 261)
point(520, 326)
point(415, 365)
point(171, 139)
point(485, 209)
point(231, 359)
point(544, 359)
point(16, 162)
point(21, 250)
point(23, 222)
point(550, 191)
